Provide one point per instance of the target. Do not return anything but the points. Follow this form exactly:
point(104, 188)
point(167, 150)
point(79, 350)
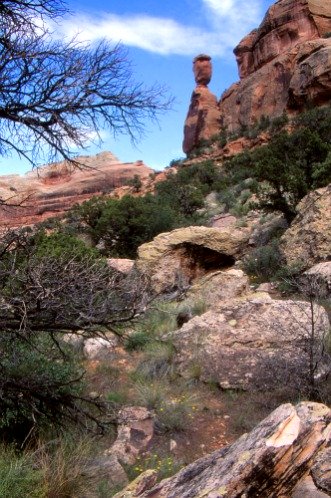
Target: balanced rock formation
point(268, 462)
point(252, 342)
point(54, 189)
point(308, 240)
point(174, 259)
point(282, 65)
point(203, 119)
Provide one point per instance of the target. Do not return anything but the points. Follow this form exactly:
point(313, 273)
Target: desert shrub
point(136, 341)
point(150, 394)
point(173, 414)
point(263, 263)
point(157, 361)
point(18, 475)
point(289, 166)
point(327, 35)
point(65, 465)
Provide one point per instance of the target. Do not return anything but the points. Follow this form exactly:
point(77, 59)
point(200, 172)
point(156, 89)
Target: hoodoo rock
point(203, 119)
point(53, 189)
point(282, 65)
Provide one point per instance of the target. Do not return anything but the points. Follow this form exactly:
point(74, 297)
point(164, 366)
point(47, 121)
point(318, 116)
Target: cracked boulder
point(253, 342)
point(268, 462)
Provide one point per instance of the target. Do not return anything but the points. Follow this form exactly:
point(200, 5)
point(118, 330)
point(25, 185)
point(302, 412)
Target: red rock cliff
point(282, 65)
point(56, 188)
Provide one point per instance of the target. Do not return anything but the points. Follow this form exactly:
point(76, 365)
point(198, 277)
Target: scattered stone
point(173, 445)
point(307, 489)
point(134, 433)
point(145, 481)
point(318, 277)
point(97, 348)
point(121, 265)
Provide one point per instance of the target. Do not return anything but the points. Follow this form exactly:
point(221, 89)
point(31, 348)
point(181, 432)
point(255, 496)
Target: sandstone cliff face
point(54, 189)
point(282, 65)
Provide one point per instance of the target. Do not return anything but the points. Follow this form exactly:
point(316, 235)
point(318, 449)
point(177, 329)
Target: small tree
point(49, 286)
point(54, 94)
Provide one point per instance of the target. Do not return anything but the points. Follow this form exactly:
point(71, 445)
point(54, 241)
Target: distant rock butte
point(282, 65)
point(53, 189)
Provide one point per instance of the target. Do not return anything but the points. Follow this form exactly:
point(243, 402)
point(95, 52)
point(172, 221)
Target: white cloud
point(226, 21)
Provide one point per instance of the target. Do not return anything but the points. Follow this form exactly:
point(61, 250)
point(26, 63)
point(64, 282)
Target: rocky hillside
point(52, 190)
point(283, 65)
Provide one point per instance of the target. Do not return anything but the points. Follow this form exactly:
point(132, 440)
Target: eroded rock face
point(308, 240)
point(134, 433)
point(54, 189)
point(202, 121)
point(282, 65)
point(267, 462)
point(251, 342)
point(174, 259)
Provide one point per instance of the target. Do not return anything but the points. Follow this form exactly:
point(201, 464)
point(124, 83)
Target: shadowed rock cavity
point(200, 260)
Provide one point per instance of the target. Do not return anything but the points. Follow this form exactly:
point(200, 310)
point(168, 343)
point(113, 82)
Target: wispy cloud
point(226, 21)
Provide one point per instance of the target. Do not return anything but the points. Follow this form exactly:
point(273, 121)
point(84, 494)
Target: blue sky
point(162, 38)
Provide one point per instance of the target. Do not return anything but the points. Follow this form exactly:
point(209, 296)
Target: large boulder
point(174, 259)
point(252, 342)
point(268, 462)
point(308, 240)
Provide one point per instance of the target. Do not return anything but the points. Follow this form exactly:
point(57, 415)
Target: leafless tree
point(54, 94)
point(42, 296)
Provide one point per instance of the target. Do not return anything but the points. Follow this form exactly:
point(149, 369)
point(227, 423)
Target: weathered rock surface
point(251, 342)
point(134, 432)
point(267, 463)
point(97, 348)
point(203, 118)
point(122, 265)
point(174, 259)
point(307, 489)
point(219, 286)
point(321, 470)
point(282, 65)
point(54, 189)
point(308, 240)
point(318, 277)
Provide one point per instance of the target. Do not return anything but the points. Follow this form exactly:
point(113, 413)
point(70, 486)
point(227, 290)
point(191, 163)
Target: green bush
point(18, 476)
point(136, 341)
point(263, 263)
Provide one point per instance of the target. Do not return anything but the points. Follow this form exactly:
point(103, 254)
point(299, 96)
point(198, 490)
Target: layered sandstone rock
point(202, 121)
point(282, 65)
point(268, 462)
point(174, 259)
point(54, 189)
point(252, 342)
point(308, 240)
